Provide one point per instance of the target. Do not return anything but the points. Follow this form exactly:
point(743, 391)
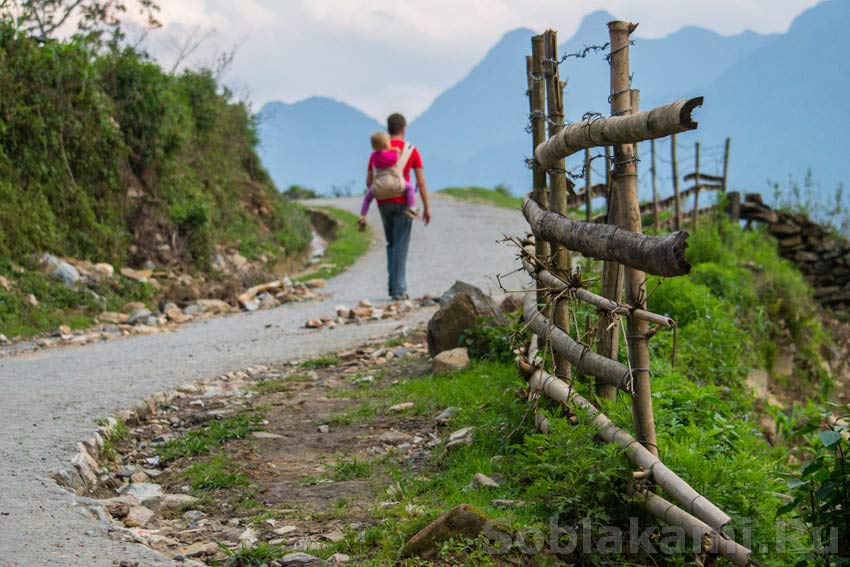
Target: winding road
point(50, 399)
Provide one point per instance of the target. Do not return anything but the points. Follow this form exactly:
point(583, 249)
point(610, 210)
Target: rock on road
point(50, 399)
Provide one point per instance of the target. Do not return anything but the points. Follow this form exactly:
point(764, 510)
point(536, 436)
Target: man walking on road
point(397, 223)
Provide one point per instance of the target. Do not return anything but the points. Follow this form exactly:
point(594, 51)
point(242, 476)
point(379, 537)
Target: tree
point(91, 17)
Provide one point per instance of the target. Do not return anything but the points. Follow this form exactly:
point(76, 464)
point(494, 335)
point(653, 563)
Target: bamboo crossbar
point(658, 255)
point(704, 177)
point(593, 132)
point(579, 199)
point(548, 280)
point(681, 491)
point(664, 204)
point(580, 356)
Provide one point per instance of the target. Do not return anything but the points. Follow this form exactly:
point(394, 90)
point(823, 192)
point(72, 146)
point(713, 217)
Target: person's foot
point(413, 213)
point(399, 297)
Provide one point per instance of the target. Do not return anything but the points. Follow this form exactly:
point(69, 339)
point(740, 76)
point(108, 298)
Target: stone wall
point(822, 257)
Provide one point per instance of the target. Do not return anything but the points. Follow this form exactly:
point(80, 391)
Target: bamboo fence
point(628, 255)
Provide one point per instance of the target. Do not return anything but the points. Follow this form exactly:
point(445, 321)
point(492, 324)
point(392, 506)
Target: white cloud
point(385, 55)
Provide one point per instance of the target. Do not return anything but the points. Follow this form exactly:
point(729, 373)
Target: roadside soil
point(314, 470)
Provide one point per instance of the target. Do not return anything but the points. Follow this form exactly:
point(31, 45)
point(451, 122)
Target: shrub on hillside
point(101, 149)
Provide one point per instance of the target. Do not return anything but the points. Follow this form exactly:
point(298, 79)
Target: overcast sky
point(387, 55)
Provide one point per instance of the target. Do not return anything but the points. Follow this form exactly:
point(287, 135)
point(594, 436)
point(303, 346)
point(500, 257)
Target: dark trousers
point(397, 229)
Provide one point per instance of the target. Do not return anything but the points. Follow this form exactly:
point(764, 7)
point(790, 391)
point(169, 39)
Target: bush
point(98, 148)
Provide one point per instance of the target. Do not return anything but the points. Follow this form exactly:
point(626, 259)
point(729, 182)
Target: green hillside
point(105, 156)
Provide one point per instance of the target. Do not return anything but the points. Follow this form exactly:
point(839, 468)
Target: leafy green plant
point(821, 490)
point(487, 341)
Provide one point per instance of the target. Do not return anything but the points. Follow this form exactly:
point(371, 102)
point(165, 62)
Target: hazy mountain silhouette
point(774, 95)
point(318, 142)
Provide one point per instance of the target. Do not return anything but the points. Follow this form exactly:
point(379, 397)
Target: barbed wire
point(580, 54)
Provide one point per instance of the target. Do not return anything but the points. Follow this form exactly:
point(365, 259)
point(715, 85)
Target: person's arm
point(367, 200)
point(423, 192)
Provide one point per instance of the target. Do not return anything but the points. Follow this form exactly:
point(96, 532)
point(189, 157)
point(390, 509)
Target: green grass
point(348, 246)
point(250, 556)
point(58, 304)
point(216, 473)
point(214, 435)
point(321, 362)
point(499, 197)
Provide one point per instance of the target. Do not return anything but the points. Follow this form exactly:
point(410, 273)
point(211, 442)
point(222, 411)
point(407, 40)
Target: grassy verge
point(57, 304)
point(349, 245)
point(499, 197)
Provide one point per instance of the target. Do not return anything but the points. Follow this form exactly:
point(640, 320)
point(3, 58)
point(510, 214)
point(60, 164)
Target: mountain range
point(776, 96)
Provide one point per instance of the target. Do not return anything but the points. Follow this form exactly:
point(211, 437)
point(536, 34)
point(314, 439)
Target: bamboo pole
point(557, 184)
point(662, 255)
point(588, 206)
point(608, 180)
point(655, 210)
point(625, 175)
point(660, 508)
point(678, 198)
point(593, 132)
point(585, 360)
point(546, 278)
point(726, 165)
point(537, 104)
point(674, 485)
point(697, 186)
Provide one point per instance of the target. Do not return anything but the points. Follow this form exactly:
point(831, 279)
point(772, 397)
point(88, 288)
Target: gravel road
point(50, 399)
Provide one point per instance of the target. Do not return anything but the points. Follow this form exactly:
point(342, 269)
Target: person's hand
point(426, 216)
point(361, 224)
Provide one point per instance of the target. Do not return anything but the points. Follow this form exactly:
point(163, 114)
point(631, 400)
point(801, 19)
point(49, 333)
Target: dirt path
point(49, 400)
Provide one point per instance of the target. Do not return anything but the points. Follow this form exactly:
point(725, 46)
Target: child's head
point(380, 141)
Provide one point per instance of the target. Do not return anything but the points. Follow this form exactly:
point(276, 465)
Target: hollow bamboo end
point(680, 245)
point(685, 115)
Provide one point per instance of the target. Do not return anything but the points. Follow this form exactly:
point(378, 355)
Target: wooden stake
point(537, 105)
point(588, 207)
point(655, 210)
point(726, 165)
point(696, 187)
point(629, 219)
point(558, 184)
point(678, 222)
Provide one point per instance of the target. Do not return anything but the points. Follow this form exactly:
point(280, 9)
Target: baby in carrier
point(387, 165)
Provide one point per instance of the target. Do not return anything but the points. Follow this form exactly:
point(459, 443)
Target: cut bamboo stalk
point(628, 218)
point(677, 198)
point(655, 210)
point(715, 542)
point(545, 278)
point(662, 255)
point(537, 104)
point(588, 206)
point(608, 327)
point(656, 123)
point(582, 357)
point(557, 185)
point(678, 489)
point(696, 186)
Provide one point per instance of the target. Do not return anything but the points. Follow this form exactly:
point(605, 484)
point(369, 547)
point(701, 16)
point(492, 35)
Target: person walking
point(397, 221)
